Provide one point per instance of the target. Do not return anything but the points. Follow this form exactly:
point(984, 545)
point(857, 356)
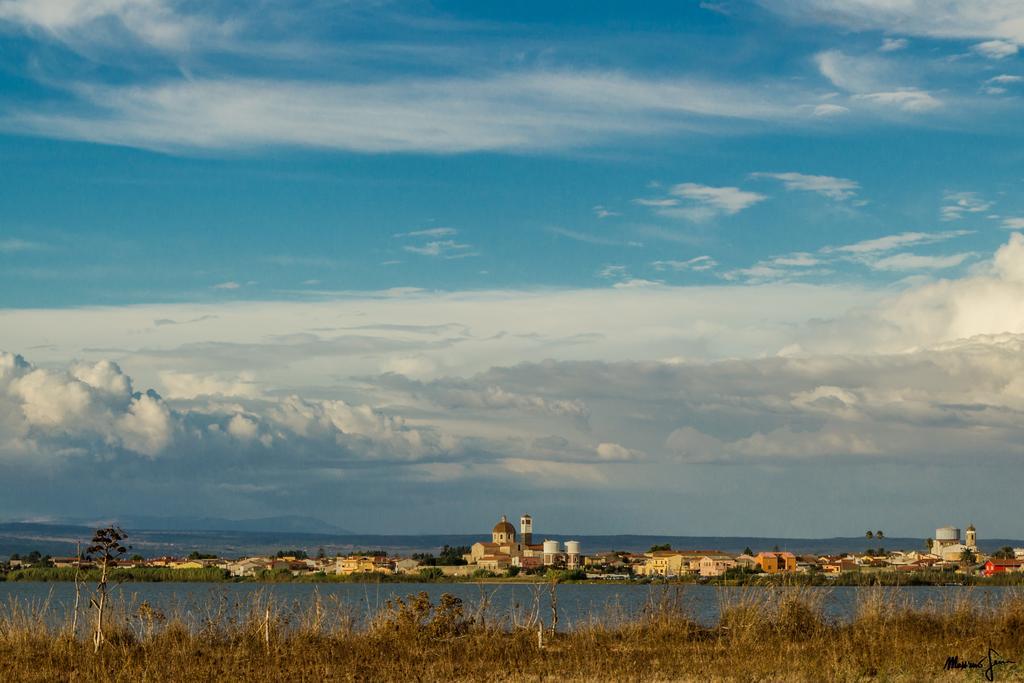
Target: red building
point(995, 566)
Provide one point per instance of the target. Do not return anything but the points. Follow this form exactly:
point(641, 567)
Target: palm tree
point(967, 558)
point(879, 534)
point(868, 534)
point(928, 543)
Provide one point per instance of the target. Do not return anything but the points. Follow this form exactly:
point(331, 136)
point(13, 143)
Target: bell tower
point(526, 530)
point(972, 538)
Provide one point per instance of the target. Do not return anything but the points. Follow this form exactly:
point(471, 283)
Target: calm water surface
point(577, 603)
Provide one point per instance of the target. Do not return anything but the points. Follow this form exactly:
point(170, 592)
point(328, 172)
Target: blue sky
point(400, 211)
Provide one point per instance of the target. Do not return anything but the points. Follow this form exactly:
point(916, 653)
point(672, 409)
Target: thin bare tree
point(107, 547)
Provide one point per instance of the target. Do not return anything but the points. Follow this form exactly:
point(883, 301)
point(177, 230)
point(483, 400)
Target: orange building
point(774, 563)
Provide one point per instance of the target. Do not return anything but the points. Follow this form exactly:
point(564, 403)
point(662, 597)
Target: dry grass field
point(763, 635)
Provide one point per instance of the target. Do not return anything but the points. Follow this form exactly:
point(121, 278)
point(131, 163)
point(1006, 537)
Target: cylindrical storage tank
point(572, 554)
point(947, 533)
point(551, 551)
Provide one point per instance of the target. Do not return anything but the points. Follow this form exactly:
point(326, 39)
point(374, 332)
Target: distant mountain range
point(154, 536)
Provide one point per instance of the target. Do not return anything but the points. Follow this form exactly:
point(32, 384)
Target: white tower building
point(526, 530)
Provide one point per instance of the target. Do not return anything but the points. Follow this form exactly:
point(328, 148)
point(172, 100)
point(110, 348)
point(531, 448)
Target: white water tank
point(551, 552)
point(947, 533)
point(572, 554)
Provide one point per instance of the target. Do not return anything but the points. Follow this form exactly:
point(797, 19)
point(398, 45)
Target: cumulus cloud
point(928, 374)
point(187, 385)
point(91, 410)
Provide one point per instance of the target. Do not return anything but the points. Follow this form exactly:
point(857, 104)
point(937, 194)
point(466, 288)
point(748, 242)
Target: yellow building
point(358, 564)
point(185, 564)
point(666, 563)
point(776, 562)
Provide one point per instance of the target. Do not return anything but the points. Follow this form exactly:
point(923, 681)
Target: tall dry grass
point(763, 635)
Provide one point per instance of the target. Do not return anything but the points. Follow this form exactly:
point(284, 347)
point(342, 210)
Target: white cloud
point(657, 203)
point(959, 203)
point(511, 111)
point(602, 212)
point(904, 99)
point(156, 23)
point(703, 202)
point(14, 245)
point(827, 186)
point(1005, 78)
point(893, 44)
point(230, 284)
point(826, 110)
point(897, 241)
point(187, 385)
point(697, 263)
point(615, 452)
point(996, 49)
point(907, 261)
point(449, 249)
point(429, 232)
point(798, 259)
point(951, 19)
point(1013, 223)
point(858, 74)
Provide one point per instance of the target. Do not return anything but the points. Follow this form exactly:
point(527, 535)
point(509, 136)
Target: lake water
point(577, 603)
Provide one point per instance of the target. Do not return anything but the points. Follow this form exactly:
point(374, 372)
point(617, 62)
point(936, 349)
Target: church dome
point(503, 527)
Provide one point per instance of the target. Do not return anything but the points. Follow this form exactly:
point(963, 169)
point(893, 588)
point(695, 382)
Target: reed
point(777, 634)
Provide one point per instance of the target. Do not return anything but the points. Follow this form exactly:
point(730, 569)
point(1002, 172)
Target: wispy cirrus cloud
point(996, 49)
point(953, 19)
point(895, 241)
point(696, 202)
point(959, 203)
point(15, 245)
point(839, 189)
point(510, 111)
point(432, 242)
point(161, 24)
point(909, 262)
point(893, 44)
point(697, 264)
point(429, 232)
